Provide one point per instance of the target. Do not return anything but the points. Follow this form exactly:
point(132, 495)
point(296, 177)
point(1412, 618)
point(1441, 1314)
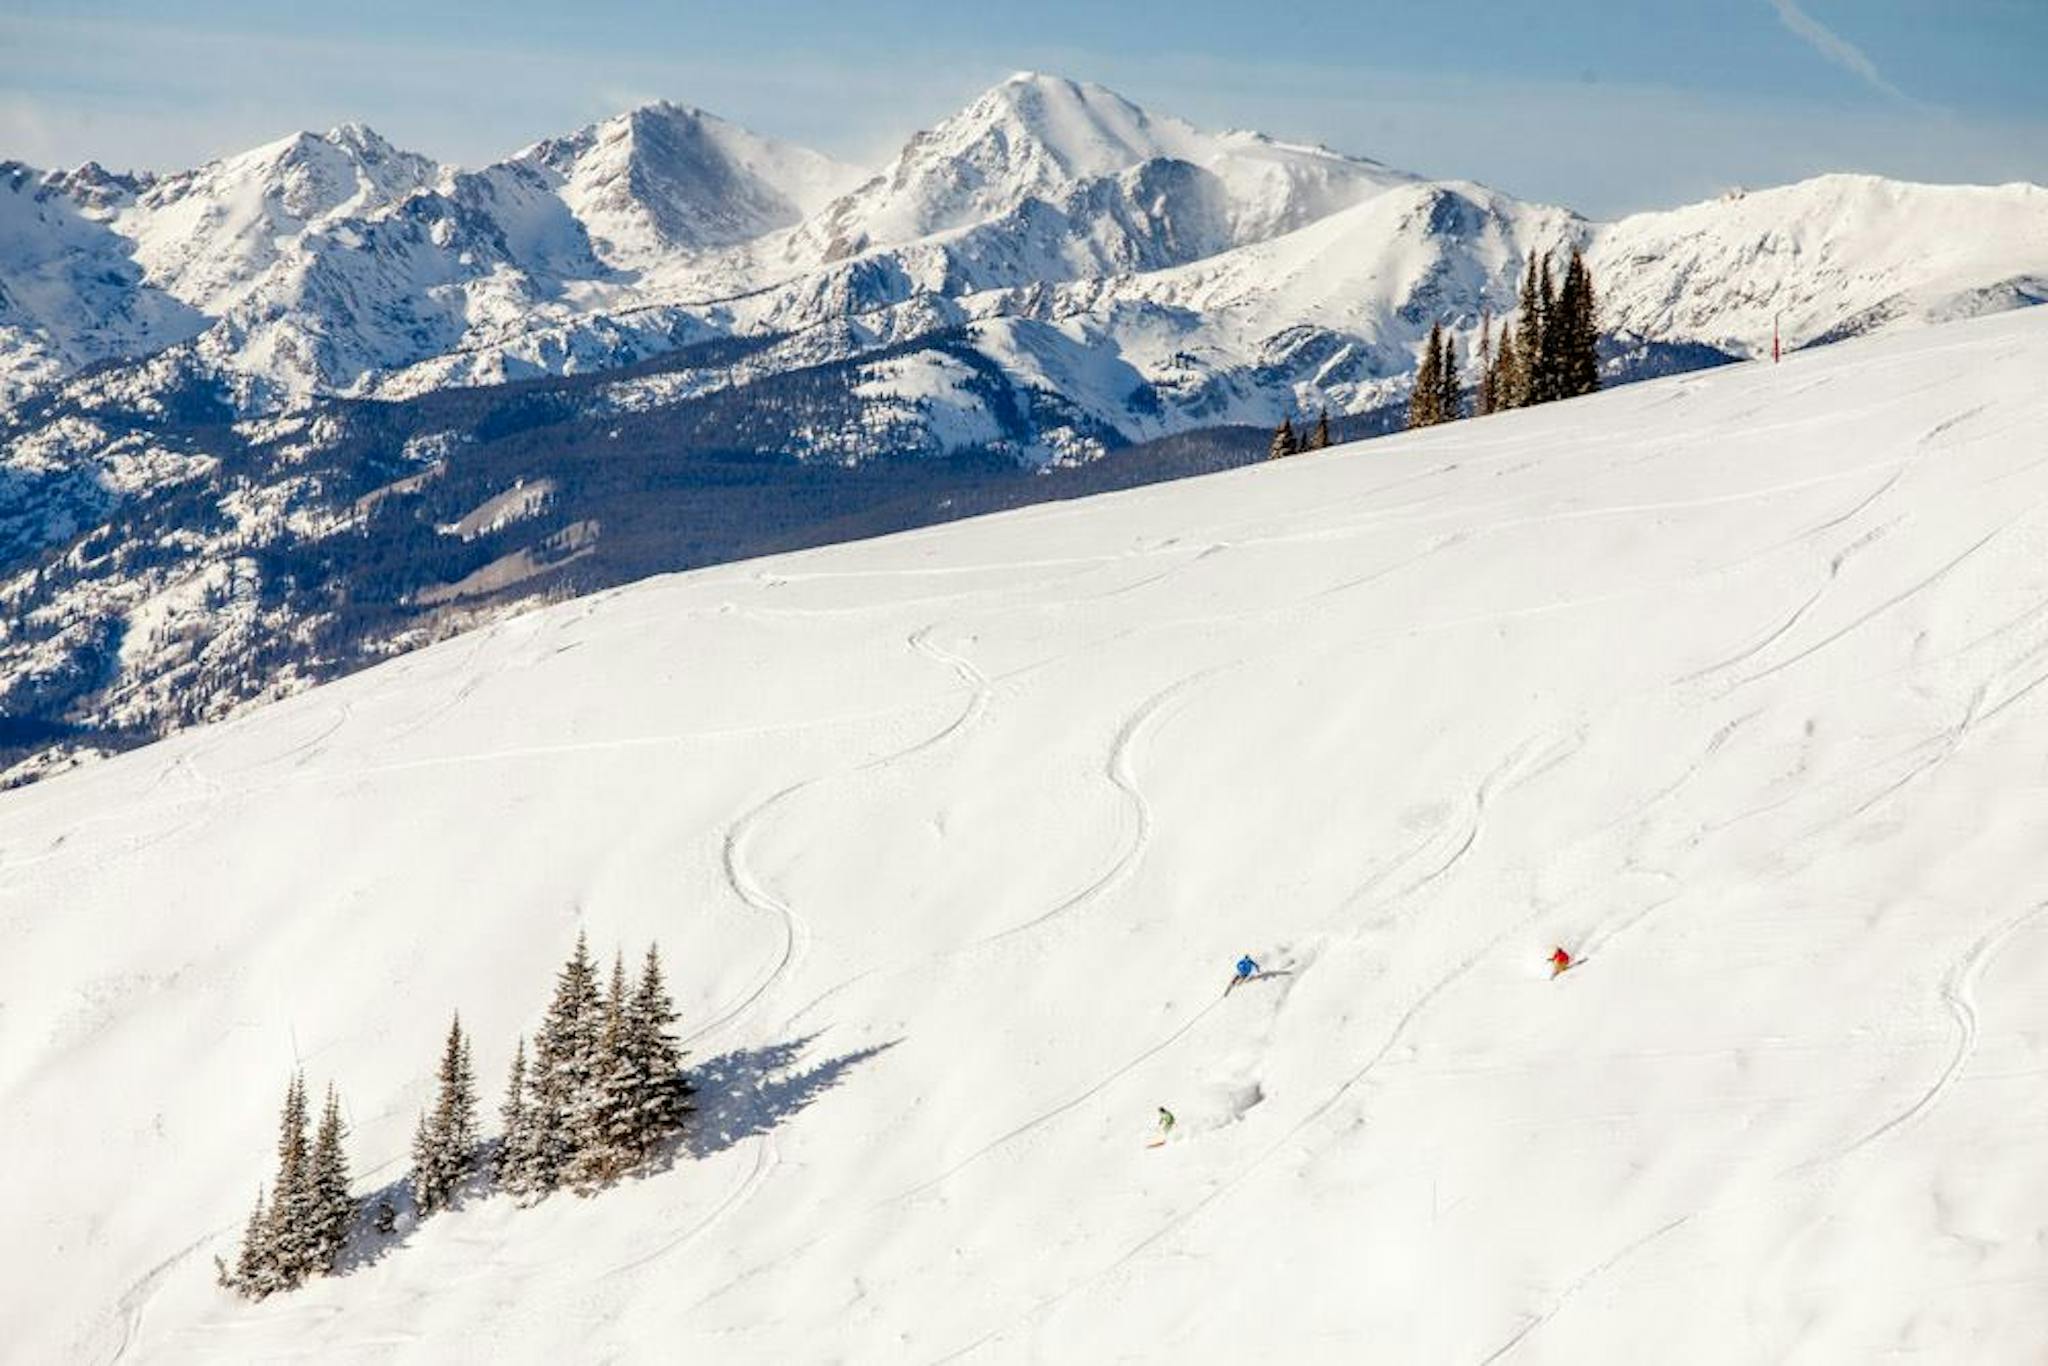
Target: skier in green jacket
point(1165, 1123)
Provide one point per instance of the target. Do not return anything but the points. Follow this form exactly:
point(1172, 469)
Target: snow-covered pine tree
point(1319, 439)
point(255, 1270)
point(456, 1111)
point(602, 1117)
point(1450, 394)
point(664, 1093)
point(444, 1145)
point(1284, 443)
point(294, 1206)
point(426, 1167)
point(512, 1116)
point(334, 1208)
point(564, 1070)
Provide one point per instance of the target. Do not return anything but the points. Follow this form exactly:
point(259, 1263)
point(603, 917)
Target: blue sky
point(1604, 105)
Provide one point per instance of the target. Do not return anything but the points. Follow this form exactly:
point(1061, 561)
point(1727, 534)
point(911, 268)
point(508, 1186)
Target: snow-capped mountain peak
point(207, 235)
point(1044, 179)
point(665, 177)
point(1044, 129)
point(1032, 136)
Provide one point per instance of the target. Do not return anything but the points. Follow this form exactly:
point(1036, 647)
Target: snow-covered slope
point(1725, 682)
point(1835, 256)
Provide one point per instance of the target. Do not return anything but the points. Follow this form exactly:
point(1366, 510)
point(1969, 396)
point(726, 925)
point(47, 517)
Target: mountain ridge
point(667, 210)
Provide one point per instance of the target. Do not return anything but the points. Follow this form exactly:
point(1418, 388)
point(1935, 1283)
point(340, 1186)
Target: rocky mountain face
point(299, 408)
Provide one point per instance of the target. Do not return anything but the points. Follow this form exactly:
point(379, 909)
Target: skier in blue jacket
point(1246, 970)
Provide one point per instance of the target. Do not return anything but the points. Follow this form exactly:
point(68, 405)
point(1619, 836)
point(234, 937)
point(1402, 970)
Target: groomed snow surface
point(1729, 684)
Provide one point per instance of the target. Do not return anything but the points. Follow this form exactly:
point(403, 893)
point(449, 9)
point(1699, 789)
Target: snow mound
point(951, 839)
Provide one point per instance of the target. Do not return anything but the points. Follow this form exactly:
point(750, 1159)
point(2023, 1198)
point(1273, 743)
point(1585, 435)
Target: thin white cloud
point(1835, 47)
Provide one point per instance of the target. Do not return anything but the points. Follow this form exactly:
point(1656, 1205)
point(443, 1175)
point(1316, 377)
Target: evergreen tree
point(1545, 373)
point(564, 1071)
point(1528, 339)
point(1284, 443)
point(455, 1112)
point(603, 1116)
point(294, 1205)
point(334, 1209)
point(657, 1060)
point(1450, 396)
point(444, 1145)
point(427, 1194)
point(1426, 398)
point(255, 1271)
point(516, 1142)
point(1578, 351)
point(1486, 370)
point(1507, 372)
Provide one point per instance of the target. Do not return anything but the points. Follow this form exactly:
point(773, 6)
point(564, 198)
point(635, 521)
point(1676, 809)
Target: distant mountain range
point(252, 414)
point(1207, 267)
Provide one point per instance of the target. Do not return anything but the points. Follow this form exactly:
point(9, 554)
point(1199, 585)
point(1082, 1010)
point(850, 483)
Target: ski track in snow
point(766, 1156)
point(1501, 774)
point(1119, 769)
point(133, 1302)
point(1121, 774)
point(1045, 1117)
point(794, 932)
point(749, 887)
point(1959, 995)
point(1594, 1273)
point(1912, 590)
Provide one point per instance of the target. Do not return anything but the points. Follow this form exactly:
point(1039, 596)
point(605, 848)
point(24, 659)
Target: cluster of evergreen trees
point(604, 1090)
point(605, 1086)
point(1549, 352)
point(299, 1232)
point(1286, 441)
point(1438, 395)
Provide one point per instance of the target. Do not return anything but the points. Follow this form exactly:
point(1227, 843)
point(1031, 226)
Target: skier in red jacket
point(1559, 961)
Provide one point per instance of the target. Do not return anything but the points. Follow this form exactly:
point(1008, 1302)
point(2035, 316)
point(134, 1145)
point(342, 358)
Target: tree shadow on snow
point(752, 1091)
point(387, 1217)
point(734, 1096)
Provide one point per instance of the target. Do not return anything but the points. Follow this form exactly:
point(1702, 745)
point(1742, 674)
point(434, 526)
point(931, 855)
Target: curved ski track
point(1118, 769)
point(755, 894)
point(765, 1159)
point(1959, 994)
